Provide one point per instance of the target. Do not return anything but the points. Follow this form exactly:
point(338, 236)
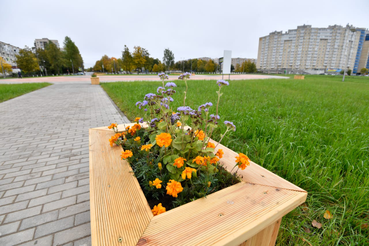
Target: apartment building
point(308, 49)
point(41, 43)
point(8, 53)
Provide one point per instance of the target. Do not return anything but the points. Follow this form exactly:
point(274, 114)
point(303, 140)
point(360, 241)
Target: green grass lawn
point(9, 91)
point(312, 132)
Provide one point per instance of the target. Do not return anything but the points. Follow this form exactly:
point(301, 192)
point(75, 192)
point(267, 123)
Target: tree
point(238, 68)
point(349, 72)
point(43, 60)
point(55, 57)
point(232, 68)
point(168, 59)
point(72, 56)
point(210, 66)
point(155, 68)
point(6, 66)
point(127, 60)
point(139, 58)
point(364, 71)
point(27, 61)
point(200, 65)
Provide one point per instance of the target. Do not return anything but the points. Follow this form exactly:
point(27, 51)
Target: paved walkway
point(44, 163)
point(112, 78)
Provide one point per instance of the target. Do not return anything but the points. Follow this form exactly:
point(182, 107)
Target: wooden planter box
point(299, 77)
point(248, 213)
point(95, 81)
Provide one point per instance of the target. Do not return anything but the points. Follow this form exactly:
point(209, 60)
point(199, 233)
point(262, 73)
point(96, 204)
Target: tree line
point(51, 59)
point(140, 61)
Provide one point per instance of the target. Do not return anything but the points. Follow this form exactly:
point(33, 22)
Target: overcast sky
point(190, 28)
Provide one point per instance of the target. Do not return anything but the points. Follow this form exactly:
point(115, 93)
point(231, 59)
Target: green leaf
point(194, 165)
point(177, 144)
point(162, 125)
point(198, 145)
point(171, 168)
point(167, 159)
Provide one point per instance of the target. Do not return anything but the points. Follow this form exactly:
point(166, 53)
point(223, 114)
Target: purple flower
point(175, 117)
point(205, 107)
point(141, 120)
point(184, 108)
point(144, 103)
point(217, 117)
point(170, 84)
point(145, 109)
point(222, 82)
point(138, 103)
point(184, 75)
point(150, 96)
point(160, 89)
point(165, 105)
point(171, 99)
point(154, 120)
point(230, 125)
point(169, 91)
point(163, 76)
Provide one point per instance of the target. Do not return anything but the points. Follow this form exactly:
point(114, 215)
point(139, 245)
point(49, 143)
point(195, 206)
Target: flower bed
point(175, 164)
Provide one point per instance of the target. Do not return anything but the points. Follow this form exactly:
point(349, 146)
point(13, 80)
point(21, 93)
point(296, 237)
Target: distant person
point(19, 74)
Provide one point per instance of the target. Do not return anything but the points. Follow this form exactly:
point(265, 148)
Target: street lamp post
point(72, 66)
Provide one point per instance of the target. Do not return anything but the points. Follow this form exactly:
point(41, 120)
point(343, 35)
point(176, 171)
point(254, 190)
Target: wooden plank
point(254, 173)
point(119, 210)
point(227, 217)
point(266, 237)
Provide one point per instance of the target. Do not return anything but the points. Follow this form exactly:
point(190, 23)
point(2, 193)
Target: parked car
point(80, 73)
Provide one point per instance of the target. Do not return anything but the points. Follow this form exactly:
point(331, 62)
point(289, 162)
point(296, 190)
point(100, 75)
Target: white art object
point(227, 62)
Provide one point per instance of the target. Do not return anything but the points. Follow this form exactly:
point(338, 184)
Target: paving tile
point(30, 195)
point(59, 204)
point(75, 209)
point(82, 218)
point(20, 190)
point(39, 220)
point(83, 242)
point(45, 199)
point(76, 191)
point(9, 228)
point(17, 238)
point(44, 241)
point(72, 234)
point(54, 226)
point(62, 187)
point(19, 215)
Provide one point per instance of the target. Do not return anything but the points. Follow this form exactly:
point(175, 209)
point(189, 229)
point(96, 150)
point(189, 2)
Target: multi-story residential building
point(364, 57)
point(41, 43)
point(308, 49)
point(238, 60)
point(8, 52)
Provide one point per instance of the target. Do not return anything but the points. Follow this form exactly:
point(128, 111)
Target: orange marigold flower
point(137, 119)
point(206, 160)
point(220, 153)
point(188, 172)
point(173, 188)
point(160, 166)
point(163, 139)
point(137, 139)
point(199, 160)
point(146, 147)
point(179, 123)
point(114, 138)
point(242, 161)
point(150, 183)
point(113, 125)
point(126, 154)
point(179, 162)
point(214, 160)
point(157, 182)
point(200, 134)
point(209, 183)
point(136, 127)
point(128, 127)
point(158, 209)
point(211, 145)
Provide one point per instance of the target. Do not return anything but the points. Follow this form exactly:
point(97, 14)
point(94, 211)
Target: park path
point(131, 78)
point(44, 163)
